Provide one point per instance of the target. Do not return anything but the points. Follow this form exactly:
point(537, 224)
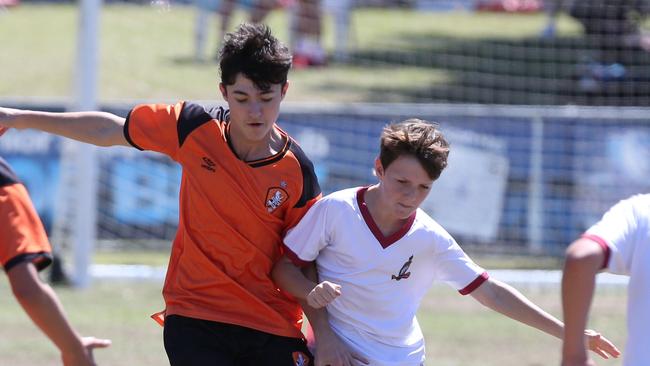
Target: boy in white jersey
point(620, 243)
point(377, 254)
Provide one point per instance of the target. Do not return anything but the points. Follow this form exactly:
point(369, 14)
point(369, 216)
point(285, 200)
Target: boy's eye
point(266, 100)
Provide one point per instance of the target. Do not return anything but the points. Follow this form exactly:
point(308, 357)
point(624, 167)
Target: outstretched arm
point(42, 305)
point(97, 128)
point(506, 300)
point(584, 258)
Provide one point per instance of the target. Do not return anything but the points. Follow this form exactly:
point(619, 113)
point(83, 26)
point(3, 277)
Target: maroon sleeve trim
point(474, 284)
point(294, 257)
point(603, 244)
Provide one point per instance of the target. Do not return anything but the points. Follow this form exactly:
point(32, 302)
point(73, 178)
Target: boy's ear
point(284, 89)
point(379, 169)
point(224, 92)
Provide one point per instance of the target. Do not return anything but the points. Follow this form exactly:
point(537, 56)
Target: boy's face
point(252, 111)
point(403, 185)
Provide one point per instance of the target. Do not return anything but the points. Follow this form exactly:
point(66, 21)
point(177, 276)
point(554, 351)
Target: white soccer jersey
point(383, 279)
point(624, 234)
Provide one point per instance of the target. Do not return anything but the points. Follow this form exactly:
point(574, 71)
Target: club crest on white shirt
point(403, 272)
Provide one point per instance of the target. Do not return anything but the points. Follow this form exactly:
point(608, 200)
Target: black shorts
point(196, 342)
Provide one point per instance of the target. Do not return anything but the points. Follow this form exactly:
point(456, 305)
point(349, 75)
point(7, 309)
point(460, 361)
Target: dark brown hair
point(253, 51)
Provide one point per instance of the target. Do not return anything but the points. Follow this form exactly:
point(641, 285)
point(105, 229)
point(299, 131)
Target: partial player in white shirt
point(377, 254)
point(618, 243)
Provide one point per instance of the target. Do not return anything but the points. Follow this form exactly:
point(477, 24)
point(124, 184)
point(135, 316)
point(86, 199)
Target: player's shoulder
point(343, 197)
point(429, 225)
point(338, 201)
point(194, 110)
point(638, 206)
point(194, 115)
point(7, 175)
point(640, 200)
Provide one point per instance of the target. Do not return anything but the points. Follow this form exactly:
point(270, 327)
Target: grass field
point(459, 331)
point(146, 53)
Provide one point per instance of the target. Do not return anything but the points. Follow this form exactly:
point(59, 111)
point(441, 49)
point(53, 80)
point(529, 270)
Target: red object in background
point(509, 6)
point(9, 3)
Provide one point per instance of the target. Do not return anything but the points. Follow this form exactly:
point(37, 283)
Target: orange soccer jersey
point(233, 215)
point(22, 236)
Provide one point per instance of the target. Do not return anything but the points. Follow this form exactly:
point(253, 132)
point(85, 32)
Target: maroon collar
point(385, 241)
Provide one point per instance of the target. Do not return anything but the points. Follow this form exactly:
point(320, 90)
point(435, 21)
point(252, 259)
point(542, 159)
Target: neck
point(247, 150)
point(381, 214)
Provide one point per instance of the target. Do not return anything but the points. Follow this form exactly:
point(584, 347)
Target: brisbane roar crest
point(300, 359)
point(275, 197)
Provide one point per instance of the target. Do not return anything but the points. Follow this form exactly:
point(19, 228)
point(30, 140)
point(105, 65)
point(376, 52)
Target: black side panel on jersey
point(310, 186)
point(194, 116)
point(7, 175)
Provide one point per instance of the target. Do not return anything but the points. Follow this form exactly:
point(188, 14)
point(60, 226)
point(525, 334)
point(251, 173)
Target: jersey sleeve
point(617, 233)
point(454, 267)
point(23, 236)
point(154, 127)
point(311, 191)
point(305, 240)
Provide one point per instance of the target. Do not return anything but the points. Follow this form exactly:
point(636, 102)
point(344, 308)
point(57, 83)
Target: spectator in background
point(24, 251)
point(307, 48)
point(612, 27)
point(305, 28)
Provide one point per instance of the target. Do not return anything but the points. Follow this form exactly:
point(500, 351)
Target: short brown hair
point(416, 137)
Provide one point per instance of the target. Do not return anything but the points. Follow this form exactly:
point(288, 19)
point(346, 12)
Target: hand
point(331, 351)
point(6, 115)
point(323, 294)
point(601, 345)
point(84, 355)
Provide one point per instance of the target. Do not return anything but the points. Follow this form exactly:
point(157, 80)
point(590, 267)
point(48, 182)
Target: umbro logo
point(208, 164)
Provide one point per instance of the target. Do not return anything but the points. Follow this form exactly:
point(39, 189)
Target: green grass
point(146, 53)
point(459, 331)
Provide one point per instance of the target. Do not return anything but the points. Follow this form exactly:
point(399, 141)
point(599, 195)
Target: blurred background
point(545, 104)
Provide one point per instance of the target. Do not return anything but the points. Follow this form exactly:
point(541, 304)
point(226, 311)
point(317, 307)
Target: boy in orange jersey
point(25, 250)
point(245, 183)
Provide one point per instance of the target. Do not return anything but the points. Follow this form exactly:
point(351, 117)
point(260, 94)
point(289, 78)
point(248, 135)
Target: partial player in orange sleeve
point(25, 250)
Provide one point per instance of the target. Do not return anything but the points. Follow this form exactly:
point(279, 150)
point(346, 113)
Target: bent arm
point(291, 279)
point(506, 300)
point(97, 128)
point(584, 259)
